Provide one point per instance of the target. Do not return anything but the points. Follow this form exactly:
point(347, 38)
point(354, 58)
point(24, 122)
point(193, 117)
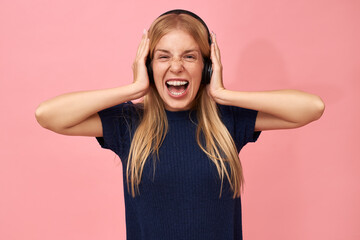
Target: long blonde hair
point(212, 136)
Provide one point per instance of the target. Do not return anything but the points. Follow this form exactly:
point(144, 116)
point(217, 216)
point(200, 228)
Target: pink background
point(300, 184)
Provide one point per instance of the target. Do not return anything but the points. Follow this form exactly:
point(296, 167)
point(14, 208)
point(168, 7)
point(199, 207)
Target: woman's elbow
point(319, 108)
point(312, 112)
point(41, 116)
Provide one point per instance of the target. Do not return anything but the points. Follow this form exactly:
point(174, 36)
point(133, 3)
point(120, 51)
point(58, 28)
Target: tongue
point(177, 89)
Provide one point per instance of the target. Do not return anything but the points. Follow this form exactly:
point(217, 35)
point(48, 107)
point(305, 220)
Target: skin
point(279, 109)
point(76, 113)
point(177, 56)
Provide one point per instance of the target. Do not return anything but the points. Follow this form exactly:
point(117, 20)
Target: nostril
point(176, 67)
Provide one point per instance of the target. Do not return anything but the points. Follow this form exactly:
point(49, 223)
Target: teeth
point(176, 83)
point(176, 93)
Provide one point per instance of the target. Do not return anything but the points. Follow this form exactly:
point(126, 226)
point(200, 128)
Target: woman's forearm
point(70, 109)
point(289, 105)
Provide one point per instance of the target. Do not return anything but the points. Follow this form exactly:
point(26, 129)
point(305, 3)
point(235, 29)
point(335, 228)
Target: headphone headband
point(182, 11)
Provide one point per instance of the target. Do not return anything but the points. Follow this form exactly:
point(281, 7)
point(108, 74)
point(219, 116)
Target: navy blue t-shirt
point(179, 198)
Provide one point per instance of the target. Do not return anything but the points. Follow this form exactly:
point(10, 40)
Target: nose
point(176, 65)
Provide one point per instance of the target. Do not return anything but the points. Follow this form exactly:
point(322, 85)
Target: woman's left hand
point(216, 86)
point(280, 109)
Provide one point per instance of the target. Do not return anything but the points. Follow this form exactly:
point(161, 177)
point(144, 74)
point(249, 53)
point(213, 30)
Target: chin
point(178, 106)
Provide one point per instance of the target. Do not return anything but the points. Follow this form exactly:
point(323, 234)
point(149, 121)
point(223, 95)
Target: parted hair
point(212, 136)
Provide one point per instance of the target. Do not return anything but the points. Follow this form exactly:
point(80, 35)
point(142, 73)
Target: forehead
point(177, 40)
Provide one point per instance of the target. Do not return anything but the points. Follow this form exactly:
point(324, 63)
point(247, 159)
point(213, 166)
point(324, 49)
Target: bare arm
point(76, 113)
point(278, 109)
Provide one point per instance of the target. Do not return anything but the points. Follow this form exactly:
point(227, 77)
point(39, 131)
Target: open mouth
point(177, 87)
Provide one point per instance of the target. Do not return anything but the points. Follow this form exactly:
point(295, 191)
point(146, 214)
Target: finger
point(140, 50)
point(139, 46)
point(145, 47)
point(213, 56)
point(145, 51)
point(142, 43)
point(217, 49)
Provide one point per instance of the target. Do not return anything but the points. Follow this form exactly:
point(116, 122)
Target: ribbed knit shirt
point(179, 197)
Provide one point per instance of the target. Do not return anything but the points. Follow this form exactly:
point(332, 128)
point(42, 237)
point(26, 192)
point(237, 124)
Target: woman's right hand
point(76, 113)
point(141, 78)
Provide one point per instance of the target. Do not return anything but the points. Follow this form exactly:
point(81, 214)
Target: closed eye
point(163, 57)
point(190, 57)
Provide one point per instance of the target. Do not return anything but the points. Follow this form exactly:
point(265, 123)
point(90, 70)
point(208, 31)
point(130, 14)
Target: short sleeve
point(240, 123)
point(118, 123)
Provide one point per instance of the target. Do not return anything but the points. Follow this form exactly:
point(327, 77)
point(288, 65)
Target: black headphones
point(207, 70)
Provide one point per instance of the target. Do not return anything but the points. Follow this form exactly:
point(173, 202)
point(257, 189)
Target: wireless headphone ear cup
point(149, 70)
point(207, 71)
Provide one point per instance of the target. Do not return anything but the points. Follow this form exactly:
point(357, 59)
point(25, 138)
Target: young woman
point(188, 128)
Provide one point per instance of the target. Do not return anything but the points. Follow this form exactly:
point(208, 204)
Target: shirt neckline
point(186, 114)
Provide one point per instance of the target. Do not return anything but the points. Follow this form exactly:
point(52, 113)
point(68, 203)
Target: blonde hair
point(212, 136)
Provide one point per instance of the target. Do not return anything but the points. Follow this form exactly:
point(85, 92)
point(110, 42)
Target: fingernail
point(144, 31)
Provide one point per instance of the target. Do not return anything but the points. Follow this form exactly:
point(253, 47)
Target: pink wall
point(300, 184)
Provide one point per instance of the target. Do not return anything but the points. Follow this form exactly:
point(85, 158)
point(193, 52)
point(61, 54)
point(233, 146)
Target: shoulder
point(125, 114)
point(240, 123)
point(127, 109)
point(235, 112)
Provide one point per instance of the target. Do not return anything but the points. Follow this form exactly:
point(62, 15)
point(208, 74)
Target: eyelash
point(186, 56)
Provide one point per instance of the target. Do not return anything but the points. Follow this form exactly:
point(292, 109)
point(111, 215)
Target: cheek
point(197, 72)
point(156, 74)
point(158, 70)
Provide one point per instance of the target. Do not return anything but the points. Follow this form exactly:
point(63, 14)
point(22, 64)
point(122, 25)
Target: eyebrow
point(186, 51)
